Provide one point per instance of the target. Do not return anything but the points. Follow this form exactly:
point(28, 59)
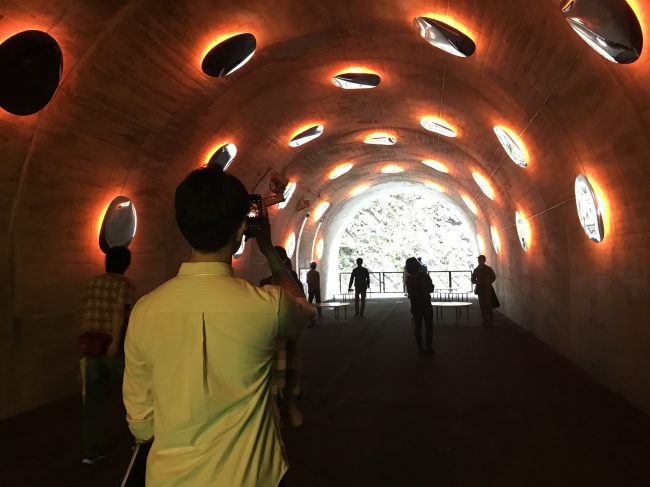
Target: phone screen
point(254, 216)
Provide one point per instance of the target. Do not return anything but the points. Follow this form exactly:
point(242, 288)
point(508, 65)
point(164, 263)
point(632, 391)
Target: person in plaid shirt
point(107, 302)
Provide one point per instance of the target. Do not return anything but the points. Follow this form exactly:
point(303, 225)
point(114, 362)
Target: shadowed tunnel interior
point(134, 112)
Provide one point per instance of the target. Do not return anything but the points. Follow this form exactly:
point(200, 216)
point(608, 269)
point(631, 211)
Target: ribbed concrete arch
point(134, 114)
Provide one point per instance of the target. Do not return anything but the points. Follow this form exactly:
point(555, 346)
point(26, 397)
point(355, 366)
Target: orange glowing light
point(437, 165)
point(320, 210)
point(305, 127)
point(354, 70)
point(517, 140)
point(484, 184)
point(340, 170)
point(102, 214)
point(319, 249)
point(379, 135)
point(449, 21)
point(359, 189)
point(215, 148)
point(496, 239)
point(434, 186)
point(391, 169)
point(470, 204)
point(290, 244)
point(523, 230)
point(641, 12)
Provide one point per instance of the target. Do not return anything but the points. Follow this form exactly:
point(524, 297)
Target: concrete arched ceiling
point(134, 113)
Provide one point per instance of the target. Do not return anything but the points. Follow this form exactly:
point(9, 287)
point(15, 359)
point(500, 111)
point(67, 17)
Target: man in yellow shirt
point(199, 350)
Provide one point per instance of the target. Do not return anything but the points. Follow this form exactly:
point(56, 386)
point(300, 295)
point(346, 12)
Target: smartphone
point(254, 216)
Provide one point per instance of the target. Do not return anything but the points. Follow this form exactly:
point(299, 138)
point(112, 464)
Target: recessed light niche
point(340, 170)
point(119, 224)
point(444, 36)
point(290, 244)
point(438, 126)
point(223, 156)
point(469, 203)
point(589, 210)
point(288, 193)
point(435, 186)
point(484, 184)
point(31, 64)
point(391, 169)
point(496, 240)
point(437, 165)
point(320, 210)
point(512, 146)
point(610, 27)
point(380, 139)
point(241, 249)
point(319, 249)
point(523, 230)
point(229, 55)
point(359, 189)
point(356, 81)
point(306, 135)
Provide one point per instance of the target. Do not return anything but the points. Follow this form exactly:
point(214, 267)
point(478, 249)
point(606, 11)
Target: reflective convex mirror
point(523, 231)
point(306, 135)
point(444, 37)
point(356, 81)
point(119, 225)
point(610, 27)
point(512, 146)
point(223, 156)
point(31, 64)
point(229, 55)
point(589, 211)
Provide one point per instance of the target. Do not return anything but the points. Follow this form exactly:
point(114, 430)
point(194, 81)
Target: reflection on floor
point(493, 407)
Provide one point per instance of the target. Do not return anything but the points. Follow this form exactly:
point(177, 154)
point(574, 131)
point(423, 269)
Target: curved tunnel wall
point(134, 113)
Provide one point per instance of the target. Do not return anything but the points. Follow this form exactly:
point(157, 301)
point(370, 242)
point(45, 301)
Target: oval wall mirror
point(119, 225)
point(31, 64)
point(228, 56)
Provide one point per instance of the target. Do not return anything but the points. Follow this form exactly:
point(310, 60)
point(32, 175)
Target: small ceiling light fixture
point(356, 81)
point(434, 186)
point(320, 210)
point(340, 170)
point(229, 55)
point(290, 244)
point(31, 64)
point(223, 156)
point(359, 189)
point(319, 249)
point(438, 126)
point(496, 240)
point(484, 185)
point(610, 27)
point(437, 165)
point(380, 139)
point(444, 36)
point(512, 146)
point(288, 193)
point(240, 250)
point(523, 230)
point(119, 224)
point(391, 169)
point(306, 135)
point(589, 210)
point(470, 204)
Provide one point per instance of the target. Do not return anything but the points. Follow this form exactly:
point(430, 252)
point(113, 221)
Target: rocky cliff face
point(392, 229)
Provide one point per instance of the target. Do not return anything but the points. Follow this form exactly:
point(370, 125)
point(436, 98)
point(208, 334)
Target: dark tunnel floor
point(493, 407)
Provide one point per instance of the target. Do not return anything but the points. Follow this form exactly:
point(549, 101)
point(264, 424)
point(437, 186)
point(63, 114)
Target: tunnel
point(532, 117)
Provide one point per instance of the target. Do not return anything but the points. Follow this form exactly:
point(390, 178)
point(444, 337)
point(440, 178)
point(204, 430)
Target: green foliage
point(394, 228)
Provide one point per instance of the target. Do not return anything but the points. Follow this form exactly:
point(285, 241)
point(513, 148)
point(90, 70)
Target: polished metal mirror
point(223, 156)
point(444, 36)
point(229, 55)
point(119, 225)
point(31, 64)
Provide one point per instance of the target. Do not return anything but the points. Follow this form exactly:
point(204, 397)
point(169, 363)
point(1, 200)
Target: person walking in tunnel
point(420, 287)
point(313, 285)
point(106, 305)
point(361, 279)
point(482, 278)
point(287, 366)
point(199, 350)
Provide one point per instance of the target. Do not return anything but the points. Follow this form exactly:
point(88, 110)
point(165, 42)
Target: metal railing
point(393, 282)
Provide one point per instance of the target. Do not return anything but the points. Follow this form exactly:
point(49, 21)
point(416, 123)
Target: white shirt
point(199, 351)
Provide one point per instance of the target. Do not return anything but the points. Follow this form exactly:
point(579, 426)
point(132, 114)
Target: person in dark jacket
point(420, 287)
point(483, 277)
point(361, 279)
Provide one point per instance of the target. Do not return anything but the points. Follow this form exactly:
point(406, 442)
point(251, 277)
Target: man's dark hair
point(210, 205)
point(359, 261)
point(482, 257)
point(118, 260)
point(419, 259)
point(412, 265)
point(313, 265)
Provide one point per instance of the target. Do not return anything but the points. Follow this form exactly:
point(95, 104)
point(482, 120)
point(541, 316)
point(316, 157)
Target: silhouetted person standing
point(313, 285)
point(420, 287)
point(483, 277)
point(361, 279)
point(423, 266)
point(107, 302)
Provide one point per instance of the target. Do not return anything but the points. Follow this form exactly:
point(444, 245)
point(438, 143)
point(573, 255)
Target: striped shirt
point(103, 294)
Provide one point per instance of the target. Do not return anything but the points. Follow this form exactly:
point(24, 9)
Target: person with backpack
point(419, 287)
